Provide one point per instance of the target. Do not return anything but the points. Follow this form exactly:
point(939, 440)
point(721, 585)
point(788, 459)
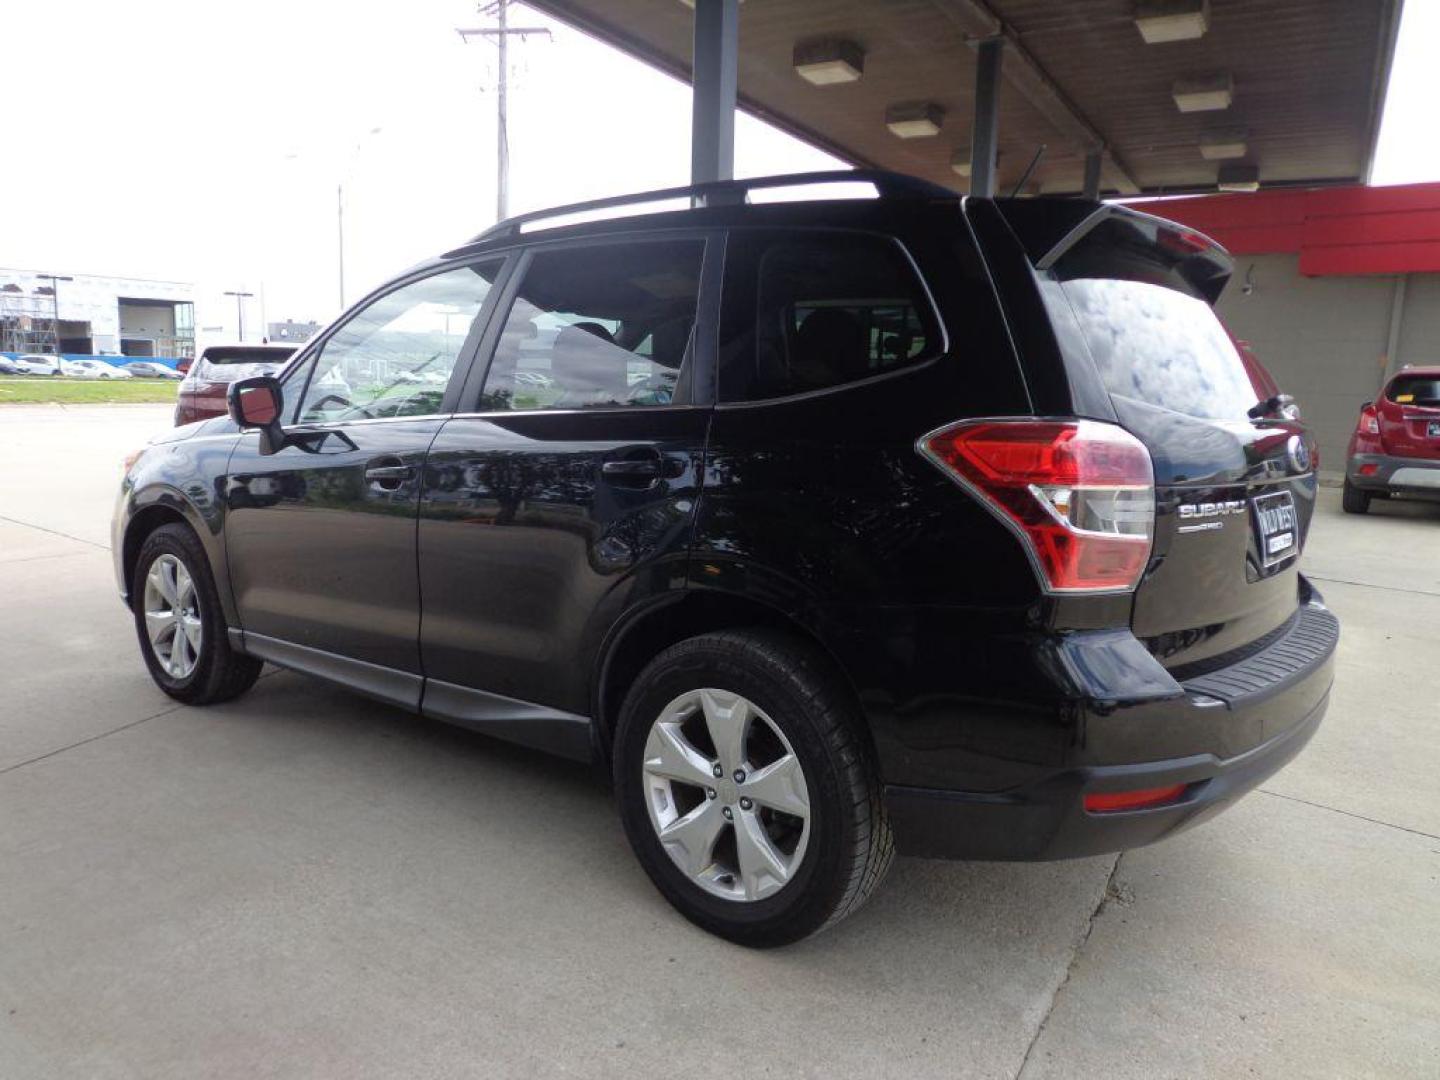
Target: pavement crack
point(92, 738)
point(1371, 585)
point(1112, 891)
point(1348, 813)
point(53, 532)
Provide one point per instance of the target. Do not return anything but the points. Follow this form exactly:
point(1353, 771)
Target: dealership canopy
point(1155, 96)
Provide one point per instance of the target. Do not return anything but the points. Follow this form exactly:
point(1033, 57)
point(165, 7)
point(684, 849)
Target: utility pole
point(500, 34)
point(239, 309)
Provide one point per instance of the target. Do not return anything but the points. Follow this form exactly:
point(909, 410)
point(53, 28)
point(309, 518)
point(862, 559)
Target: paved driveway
point(306, 884)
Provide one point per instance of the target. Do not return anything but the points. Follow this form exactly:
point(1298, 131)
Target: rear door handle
point(389, 473)
point(632, 468)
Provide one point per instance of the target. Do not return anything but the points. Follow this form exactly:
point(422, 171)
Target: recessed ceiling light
point(1238, 178)
point(1204, 94)
point(1222, 145)
point(1160, 21)
point(915, 119)
point(828, 61)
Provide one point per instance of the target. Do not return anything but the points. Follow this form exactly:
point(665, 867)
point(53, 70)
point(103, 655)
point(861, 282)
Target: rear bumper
point(1419, 477)
point(1280, 694)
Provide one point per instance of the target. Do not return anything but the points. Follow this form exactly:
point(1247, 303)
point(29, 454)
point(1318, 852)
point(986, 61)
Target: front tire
point(179, 621)
point(1353, 500)
point(747, 788)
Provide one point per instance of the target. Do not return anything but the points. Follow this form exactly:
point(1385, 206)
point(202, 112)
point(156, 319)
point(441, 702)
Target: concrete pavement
point(303, 883)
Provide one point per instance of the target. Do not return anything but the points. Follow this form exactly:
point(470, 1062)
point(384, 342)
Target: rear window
point(236, 354)
point(1415, 390)
point(1136, 291)
point(230, 363)
point(807, 311)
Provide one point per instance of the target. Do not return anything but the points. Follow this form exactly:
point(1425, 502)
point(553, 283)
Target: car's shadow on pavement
point(529, 817)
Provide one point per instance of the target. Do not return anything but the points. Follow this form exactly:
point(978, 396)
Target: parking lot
point(303, 883)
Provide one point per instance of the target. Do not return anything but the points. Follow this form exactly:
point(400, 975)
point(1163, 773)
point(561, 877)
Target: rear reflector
point(1369, 470)
point(1104, 802)
point(1079, 493)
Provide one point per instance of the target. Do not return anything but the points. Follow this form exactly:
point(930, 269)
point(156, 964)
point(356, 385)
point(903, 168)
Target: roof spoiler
point(1049, 230)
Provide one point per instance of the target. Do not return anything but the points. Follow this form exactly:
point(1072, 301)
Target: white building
point(92, 314)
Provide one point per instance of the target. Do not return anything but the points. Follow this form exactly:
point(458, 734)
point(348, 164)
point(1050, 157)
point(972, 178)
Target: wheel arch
point(651, 630)
point(161, 506)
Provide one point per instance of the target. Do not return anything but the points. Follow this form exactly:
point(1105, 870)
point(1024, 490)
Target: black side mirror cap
point(256, 405)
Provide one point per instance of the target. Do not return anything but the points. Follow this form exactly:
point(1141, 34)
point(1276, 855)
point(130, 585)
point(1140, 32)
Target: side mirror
point(256, 404)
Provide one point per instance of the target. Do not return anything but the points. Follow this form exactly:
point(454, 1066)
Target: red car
point(1396, 446)
point(202, 393)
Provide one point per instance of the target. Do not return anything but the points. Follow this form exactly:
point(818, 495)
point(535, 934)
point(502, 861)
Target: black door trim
point(537, 726)
point(373, 680)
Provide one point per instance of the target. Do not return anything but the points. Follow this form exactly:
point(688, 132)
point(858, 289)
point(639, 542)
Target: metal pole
point(1397, 320)
point(340, 227)
point(502, 133)
point(983, 136)
point(713, 86)
point(1092, 175)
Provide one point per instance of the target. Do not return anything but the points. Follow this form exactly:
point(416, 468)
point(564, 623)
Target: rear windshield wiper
point(1271, 406)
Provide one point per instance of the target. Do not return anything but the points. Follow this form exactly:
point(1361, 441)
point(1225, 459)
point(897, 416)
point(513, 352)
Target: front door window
point(395, 357)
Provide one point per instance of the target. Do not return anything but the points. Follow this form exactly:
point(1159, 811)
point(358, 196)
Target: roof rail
point(888, 185)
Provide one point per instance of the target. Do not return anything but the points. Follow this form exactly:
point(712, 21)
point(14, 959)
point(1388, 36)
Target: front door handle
point(389, 473)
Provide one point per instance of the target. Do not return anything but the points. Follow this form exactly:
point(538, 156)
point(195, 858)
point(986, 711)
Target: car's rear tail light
point(1369, 421)
point(1080, 494)
point(1103, 802)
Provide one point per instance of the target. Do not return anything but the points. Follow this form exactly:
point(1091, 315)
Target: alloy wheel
point(726, 794)
point(172, 616)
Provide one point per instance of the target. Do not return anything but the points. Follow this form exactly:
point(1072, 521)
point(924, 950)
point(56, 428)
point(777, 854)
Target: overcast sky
point(204, 141)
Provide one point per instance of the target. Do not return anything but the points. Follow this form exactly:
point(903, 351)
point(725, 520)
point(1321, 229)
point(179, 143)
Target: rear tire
point(760, 876)
point(1353, 500)
point(178, 619)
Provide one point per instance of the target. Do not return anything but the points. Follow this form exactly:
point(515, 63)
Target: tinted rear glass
point(1136, 292)
point(237, 354)
point(1415, 390)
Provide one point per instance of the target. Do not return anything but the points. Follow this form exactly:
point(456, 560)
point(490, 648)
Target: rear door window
point(598, 326)
point(805, 311)
point(1152, 333)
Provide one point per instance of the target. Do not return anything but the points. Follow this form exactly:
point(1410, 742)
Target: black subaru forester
point(832, 528)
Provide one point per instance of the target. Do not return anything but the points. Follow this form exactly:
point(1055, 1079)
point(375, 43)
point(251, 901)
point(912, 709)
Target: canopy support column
point(713, 82)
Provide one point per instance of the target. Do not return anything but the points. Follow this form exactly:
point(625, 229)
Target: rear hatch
point(1409, 415)
point(1234, 480)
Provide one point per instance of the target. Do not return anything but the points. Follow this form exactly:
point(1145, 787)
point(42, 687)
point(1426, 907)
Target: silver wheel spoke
point(669, 754)
point(191, 625)
point(158, 623)
point(162, 577)
point(693, 837)
point(727, 716)
point(762, 868)
point(780, 786)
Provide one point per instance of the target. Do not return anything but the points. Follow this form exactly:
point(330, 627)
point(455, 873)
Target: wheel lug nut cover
point(710, 793)
point(739, 776)
point(746, 804)
point(727, 812)
point(718, 771)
